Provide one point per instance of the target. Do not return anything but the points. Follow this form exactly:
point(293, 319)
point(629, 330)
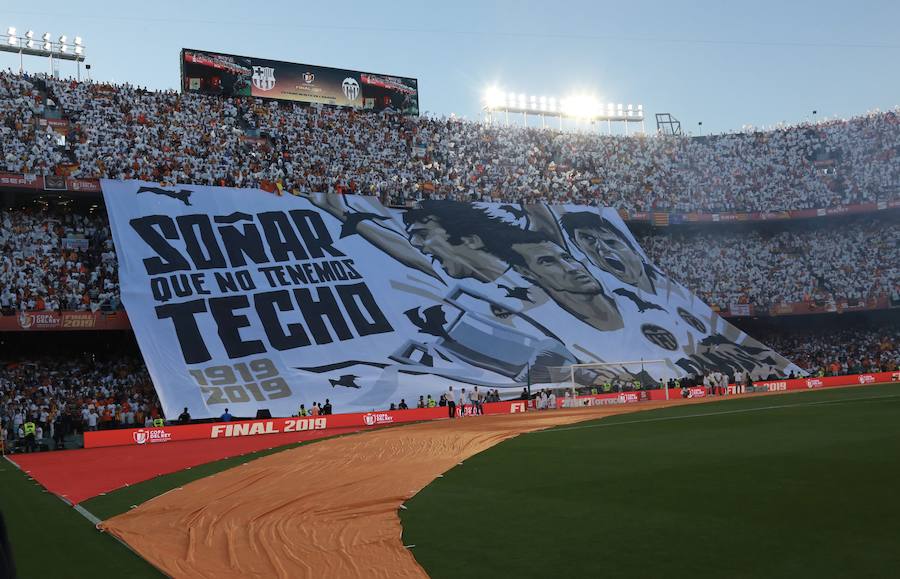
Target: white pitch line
point(701, 415)
point(78, 508)
point(87, 515)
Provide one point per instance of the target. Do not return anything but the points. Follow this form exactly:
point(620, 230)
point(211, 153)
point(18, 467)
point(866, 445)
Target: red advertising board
point(154, 435)
point(824, 382)
point(62, 321)
point(50, 183)
point(602, 399)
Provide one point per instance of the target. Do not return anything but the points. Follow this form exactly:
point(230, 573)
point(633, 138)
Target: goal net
point(573, 382)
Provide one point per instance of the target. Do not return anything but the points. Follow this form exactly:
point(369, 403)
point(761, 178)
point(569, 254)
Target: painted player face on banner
point(452, 236)
point(568, 283)
point(608, 248)
point(553, 268)
point(462, 260)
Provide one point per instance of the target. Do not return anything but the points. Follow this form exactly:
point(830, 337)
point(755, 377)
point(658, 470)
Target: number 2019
point(238, 393)
point(257, 379)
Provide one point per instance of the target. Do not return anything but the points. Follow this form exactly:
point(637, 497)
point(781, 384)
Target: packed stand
point(56, 261)
point(124, 132)
point(855, 262)
point(837, 352)
point(64, 395)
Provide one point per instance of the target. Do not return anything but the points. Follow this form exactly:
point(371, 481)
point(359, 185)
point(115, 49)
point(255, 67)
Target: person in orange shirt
point(835, 368)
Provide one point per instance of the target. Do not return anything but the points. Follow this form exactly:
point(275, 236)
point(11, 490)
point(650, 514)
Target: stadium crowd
point(66, 394)
point(855, 262)
point(837, 352)
point(125, 132)
point(56, 261)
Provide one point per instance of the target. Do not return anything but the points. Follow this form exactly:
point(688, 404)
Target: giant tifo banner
point(213, 73)
point(247, 300)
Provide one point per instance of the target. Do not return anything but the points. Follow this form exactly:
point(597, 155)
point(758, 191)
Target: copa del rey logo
point(373, 418)
point(143, 436)
point(264, 77)
point(28, 320)
point(350, 88)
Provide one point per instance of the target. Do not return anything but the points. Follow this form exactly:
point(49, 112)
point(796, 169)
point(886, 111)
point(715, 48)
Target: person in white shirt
point(475, 399)
point(450, 396)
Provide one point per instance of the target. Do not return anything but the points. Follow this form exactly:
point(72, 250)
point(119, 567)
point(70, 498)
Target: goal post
point(607, 377)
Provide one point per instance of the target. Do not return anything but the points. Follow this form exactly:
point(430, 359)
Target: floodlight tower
point(578, 107)
point(27, 44)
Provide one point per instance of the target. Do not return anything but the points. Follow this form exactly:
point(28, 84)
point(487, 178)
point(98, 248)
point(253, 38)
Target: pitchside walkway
point(77, 475)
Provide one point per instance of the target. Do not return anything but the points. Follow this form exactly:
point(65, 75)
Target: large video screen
point(214, 73)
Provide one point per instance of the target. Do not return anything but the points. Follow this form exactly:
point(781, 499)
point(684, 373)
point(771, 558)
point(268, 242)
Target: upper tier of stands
point(124, 132)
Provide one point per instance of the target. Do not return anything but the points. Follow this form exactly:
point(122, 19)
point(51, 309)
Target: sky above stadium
point(724, 64)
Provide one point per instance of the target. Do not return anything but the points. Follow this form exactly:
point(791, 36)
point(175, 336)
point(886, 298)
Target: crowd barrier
point(702, 392)
point(153, 435)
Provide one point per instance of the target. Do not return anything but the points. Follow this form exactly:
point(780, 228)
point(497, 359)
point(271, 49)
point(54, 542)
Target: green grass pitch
point(807, 489)
point(802, 485)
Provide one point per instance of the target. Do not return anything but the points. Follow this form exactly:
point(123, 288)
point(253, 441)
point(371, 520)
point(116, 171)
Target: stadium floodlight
point(30, 45)
point(494, 98)
point(576, 106)
point(581, 106)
